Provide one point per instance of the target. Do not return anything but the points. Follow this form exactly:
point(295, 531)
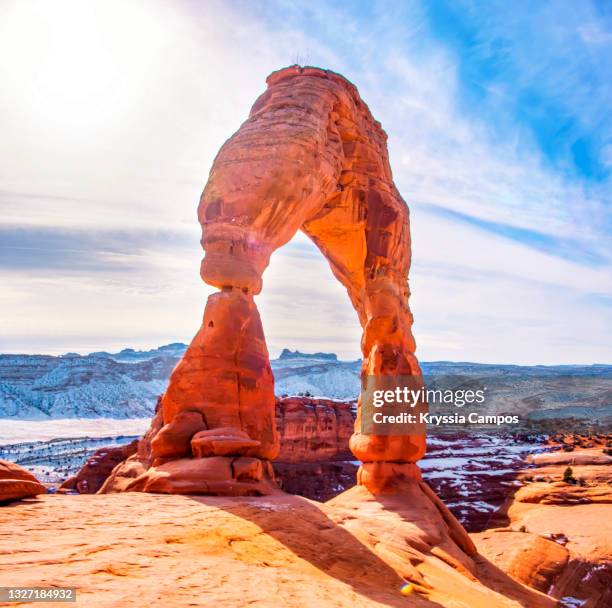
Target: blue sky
point(500, 140)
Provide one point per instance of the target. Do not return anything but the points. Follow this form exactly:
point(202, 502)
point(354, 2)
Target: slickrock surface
point(16, 482)
point(557, 536)
point(309, 157)
point(134, 549)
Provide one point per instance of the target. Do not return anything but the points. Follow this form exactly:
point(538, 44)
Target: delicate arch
point(310, 157)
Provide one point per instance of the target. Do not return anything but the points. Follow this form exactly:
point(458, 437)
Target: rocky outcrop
point(314, 436)
point(96, 470)
point(314, 458)
point(310, 157)
point(528, 558)
point(226, 378)
point(226, 476)
point(16, 483)
point(313, 430)
point(557, 535)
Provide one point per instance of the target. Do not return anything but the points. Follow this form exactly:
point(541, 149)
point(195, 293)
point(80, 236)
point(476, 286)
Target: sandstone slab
point(280, 550)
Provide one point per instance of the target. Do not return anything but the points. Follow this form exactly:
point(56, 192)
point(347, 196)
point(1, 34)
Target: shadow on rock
point(309, 533)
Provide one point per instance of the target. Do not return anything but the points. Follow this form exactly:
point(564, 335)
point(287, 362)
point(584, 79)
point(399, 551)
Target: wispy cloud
point(566, 248)
point(32, 248)
point(499, 134)
point(548, 73)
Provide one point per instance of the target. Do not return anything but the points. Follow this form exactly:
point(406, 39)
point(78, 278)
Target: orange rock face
point(313, 430)
point(558, 534)
point(225, 375)
point(16, 483)
point(176, 551)
point(310, 157)
point(96, 470)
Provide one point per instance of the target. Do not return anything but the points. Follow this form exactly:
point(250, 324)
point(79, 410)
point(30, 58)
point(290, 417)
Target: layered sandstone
point(557, 528)
point(314, 458)
point(310, 157)
point(313, 429)
point(16, 483)
point(313, 433)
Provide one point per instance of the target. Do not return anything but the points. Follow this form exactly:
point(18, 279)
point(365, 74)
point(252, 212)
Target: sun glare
point(73, 66)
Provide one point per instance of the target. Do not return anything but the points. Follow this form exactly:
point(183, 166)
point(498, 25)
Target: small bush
point(568, 476)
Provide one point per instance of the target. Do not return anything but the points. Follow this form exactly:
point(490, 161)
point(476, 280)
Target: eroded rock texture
point(16, 483)
point(313, 430)
point(313, 460)
point(555, 533)
point(96, 470)
point(310, 157)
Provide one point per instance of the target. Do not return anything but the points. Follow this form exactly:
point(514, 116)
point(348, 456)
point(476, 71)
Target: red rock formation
point(310, 157)
point(313, 430)
point(313, 434)
point(528, 558)
point(225, 375)
point(96, 470)
point(16, 483)
point(557, 534)
point(314, 438)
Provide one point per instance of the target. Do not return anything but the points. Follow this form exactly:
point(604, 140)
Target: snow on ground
point(474, 472)
point(19, 431)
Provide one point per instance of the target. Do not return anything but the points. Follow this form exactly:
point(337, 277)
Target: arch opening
point(304, 307)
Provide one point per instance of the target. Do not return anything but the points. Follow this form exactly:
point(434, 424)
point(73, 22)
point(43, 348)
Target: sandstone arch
point(310, 157)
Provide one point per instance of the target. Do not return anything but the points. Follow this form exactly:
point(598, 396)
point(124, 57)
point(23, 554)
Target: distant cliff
point(126, 384)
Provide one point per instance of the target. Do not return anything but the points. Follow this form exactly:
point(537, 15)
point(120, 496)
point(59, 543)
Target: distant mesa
point(296, 354)
point(173, 346)
point(173, 349)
